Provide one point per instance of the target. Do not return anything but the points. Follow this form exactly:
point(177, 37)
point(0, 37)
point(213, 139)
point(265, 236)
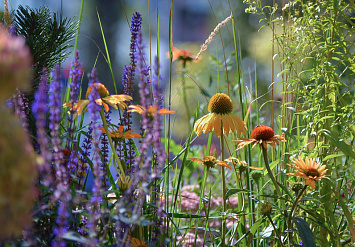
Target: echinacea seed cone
point(262, 133)
point(220, 103)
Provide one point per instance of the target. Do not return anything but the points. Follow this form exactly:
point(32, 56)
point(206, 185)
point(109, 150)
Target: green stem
point(121, 173)
point(184, 94)
point(291, 212)
point(295, 203)
point(276, 232)
point(271, 175)
point(224, 190)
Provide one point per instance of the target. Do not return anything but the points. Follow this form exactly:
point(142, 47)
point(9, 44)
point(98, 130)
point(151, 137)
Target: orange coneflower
point(261, 135)
point(242, 165)
point(220, 108)
point(118, 135)
point(135, 242)
point(104, 100)
point(210, 162)
point(308, 169)
point(182, 55)
point(152, 110)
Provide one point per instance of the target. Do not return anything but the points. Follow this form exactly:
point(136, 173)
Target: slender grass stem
point(273, 179)
point(289, 219)
point(121, 170)
point(275, 229)
point(187, 109)
point(224, 190)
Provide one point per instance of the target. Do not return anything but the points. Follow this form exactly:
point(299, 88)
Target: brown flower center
point(220, 103)
point(209, 161)
point(312, 172)
point(103, 92)
point(262, 133)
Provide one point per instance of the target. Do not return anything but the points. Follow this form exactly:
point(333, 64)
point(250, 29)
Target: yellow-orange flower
point(152, 110)
point(119, 135)
point(104, 100)
point(242, 165)
point(135, 242)
point(220, 108)
point(308, 169)
point(182, 55)
point(261, 135)
point(210, 161)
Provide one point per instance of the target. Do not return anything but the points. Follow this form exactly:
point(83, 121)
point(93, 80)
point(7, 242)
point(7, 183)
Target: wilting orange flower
point(220, 108)
point(135, 242)
point(242, 165)
point(182, 55)
point(104, 100)
point(210, 161)
point(308, 169)
point(152, 110)
point(261, 135)
point(119, 135)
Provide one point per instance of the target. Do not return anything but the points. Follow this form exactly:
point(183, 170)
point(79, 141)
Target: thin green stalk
point(273, 178)
point(187, 109)
point(275, 229)
point(201, 203)
point(224, 190)
point(289, 224)
point(121, 173)
point(295, 203)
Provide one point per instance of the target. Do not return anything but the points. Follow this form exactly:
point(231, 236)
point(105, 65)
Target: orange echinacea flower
point(182, 55)
point(104, 100)
point(308, 169)
point(261, 135)
point(242, 165)
point(210, 161)
point(220, 108)
point(152, 110)
point(119, 135)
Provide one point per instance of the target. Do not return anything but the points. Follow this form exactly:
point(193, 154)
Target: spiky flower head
point(265, 207)
point(262, 133)
point(220, 103)
point(308, 169)
point(256, 175)
point(220, 117)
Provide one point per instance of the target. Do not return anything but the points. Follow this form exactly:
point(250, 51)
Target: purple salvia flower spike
point(61, 192)
point(94, 205)
point(40, 109)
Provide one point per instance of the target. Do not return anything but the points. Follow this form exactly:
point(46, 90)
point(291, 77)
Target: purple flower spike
point(61, 192)
point(40, 109)
point(94, 205)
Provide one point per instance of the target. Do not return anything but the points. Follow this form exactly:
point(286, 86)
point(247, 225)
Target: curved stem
point(224, 190)
point(276, 232)
point(184, 94)
point(121, 173)
point(295, 203)
point(273, 178)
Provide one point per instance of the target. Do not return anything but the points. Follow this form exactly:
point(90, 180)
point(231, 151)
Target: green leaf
point(332, 156)
point(73, 236)
point(305, 232)
point(272, 166)
point(234, 191)
point(186, 216)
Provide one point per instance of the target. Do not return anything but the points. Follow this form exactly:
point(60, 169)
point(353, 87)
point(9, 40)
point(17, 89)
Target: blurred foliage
point(47, 35)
